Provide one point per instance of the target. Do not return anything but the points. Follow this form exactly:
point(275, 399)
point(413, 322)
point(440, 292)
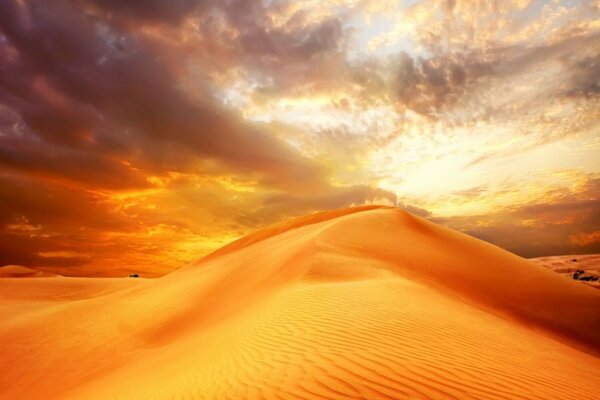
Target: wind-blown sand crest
point(365, 303)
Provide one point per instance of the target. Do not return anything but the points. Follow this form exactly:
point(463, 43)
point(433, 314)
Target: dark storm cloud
point(32, 156)
point(131, 96)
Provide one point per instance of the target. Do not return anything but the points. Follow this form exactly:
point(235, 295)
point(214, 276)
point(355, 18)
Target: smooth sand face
point(373, 303)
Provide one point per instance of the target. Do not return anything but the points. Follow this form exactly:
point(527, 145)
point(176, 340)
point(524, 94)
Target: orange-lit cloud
point(139, 135)
point(560, 220)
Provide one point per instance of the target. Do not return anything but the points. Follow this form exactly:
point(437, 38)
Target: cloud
point(421, 212)
point(154, 10)
point(122, 103)
point(432, 86)
point(566, 224)
point(279, 205)
point(429, 86)
point(146, 133)
point(38, 216)
point(585, 239)
point(93, 109)
point(460, 53)
point(585, 81)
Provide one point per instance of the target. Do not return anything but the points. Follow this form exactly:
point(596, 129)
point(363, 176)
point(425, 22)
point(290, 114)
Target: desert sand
point(19, 271)
point(567, 265)
point(364, 303)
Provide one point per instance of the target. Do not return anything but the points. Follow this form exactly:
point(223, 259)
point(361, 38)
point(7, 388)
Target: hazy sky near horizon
point(139, 135)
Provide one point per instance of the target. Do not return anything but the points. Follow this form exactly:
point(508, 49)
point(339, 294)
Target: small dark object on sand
point(134, 276)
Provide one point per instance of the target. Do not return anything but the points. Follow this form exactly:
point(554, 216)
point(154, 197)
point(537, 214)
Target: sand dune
point(18, 271)
point(366, 303)
point(567, 265)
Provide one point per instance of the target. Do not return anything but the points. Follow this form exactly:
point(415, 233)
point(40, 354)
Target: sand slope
point(368, 303)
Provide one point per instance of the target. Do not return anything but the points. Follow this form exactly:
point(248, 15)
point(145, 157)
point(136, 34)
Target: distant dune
point(18, 271)
point(569, 265)
point(365, 303)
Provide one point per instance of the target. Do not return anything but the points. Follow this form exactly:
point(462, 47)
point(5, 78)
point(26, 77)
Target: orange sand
point(567, 265)
point(18, 271)
point(369, 303)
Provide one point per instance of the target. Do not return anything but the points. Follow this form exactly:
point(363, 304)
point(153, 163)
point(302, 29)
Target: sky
point(139, 136)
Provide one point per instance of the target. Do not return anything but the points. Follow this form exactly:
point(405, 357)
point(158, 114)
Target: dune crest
point(367, 303)
point(285, 226)
point(19, 271)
